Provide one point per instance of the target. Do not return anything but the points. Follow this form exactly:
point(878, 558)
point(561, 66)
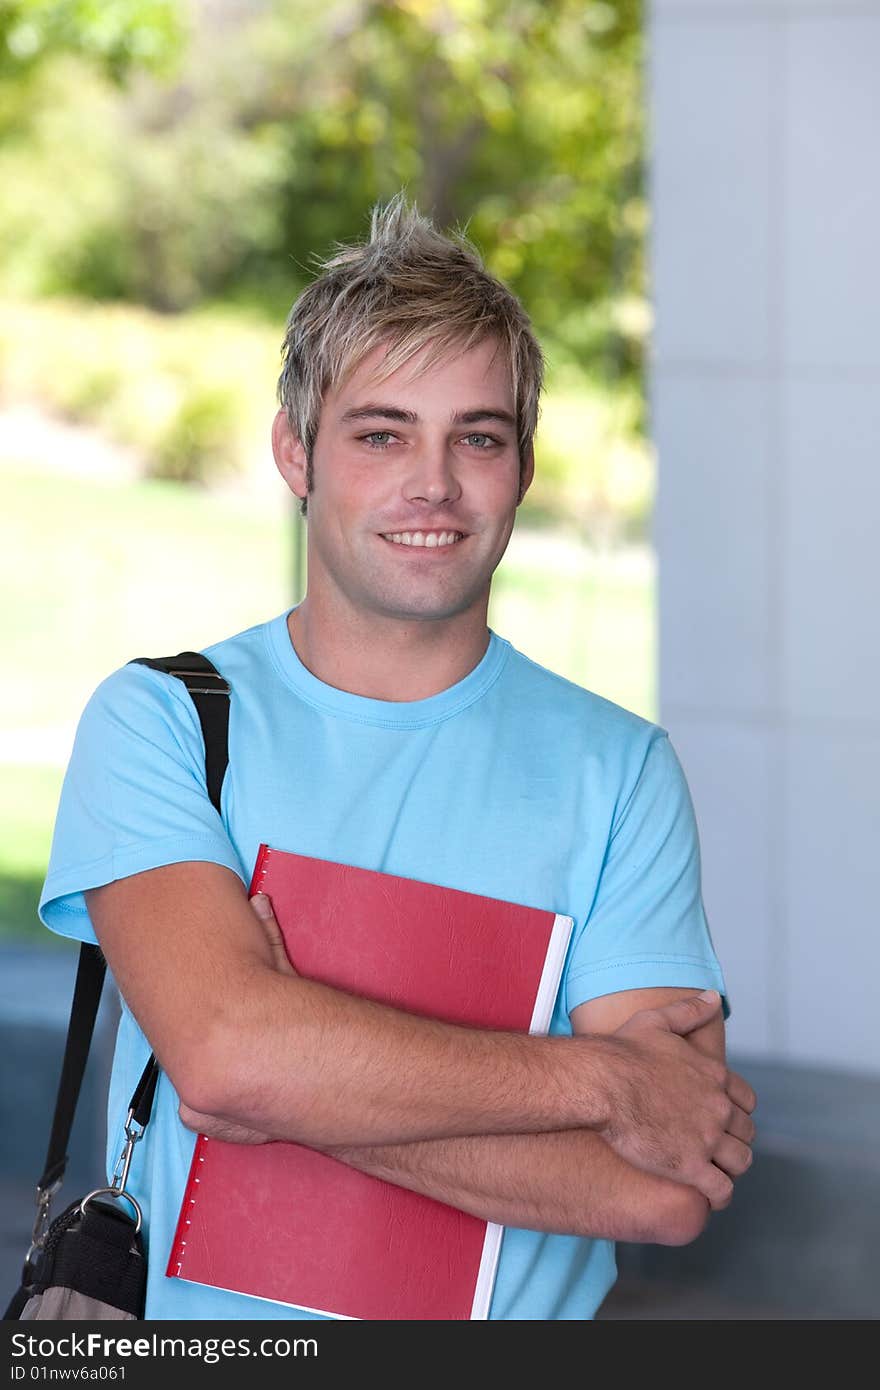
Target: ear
point(527, 472)
point(290, 454)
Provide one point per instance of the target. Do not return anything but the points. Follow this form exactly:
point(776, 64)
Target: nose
point(432, 477)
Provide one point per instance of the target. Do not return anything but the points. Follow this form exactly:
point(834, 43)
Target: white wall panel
point(831, 176)
point(709, 205)
point(713, 533)
point(729, 769)
point(830, 553)
point(832, 887)
point(769, 497)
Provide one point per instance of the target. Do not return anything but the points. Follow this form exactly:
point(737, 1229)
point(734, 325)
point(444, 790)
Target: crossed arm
point(570, 1182)
point(517, 1130)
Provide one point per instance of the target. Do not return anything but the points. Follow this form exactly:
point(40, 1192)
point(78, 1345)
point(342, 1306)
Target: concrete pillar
point(765, 406)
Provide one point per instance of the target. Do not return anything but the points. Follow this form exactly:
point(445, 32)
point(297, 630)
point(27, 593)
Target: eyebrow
point(373, 411)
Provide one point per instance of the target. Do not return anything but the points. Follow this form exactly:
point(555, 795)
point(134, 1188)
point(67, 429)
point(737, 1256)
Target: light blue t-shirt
point(513, 783)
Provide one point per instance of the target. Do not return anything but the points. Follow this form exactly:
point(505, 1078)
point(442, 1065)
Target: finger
point(740, 1092)
point(732, 1156)
point(263, 911)
point(741, 1125)
point(715, 1186)
point(687, 1014)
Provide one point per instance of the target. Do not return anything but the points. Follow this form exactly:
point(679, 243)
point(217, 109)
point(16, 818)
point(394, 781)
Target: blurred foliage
point(117, 35)
point(122, 568)
point(193, 156)
point(285, 120)
point(184, 162)
point(193, 396)
point(594, 468)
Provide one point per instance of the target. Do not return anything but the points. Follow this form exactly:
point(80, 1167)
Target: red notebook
point(281, 1222)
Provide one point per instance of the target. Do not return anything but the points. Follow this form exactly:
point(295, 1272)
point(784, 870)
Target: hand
point(266, 917)
point(212, 1125)
point(676, 1112)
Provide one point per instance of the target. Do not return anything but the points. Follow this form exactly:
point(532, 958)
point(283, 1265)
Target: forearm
point(346, 1084)
point(571, 1183)
point(244, 1040)
point(294, 1059)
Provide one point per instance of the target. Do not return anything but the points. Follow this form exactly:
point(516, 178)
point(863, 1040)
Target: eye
point(481, 441)
point(377, 439)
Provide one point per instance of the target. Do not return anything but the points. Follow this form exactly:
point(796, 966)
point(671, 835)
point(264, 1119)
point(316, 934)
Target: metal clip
point(41, 1220)
point(221, 688)
point(116, 1190)
point(133, 1133)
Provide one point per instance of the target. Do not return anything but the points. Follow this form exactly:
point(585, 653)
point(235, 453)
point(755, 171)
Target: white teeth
point(426, 538)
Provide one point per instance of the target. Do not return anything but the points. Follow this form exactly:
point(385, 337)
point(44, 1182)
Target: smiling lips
point(429, 539)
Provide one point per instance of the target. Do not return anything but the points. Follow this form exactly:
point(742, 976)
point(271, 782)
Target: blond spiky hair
point(412, 288)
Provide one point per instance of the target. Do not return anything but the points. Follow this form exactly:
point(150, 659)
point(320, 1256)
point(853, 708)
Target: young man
point(380, 723)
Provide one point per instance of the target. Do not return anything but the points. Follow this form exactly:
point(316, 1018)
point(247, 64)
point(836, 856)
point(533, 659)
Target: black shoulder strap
point(205, 684)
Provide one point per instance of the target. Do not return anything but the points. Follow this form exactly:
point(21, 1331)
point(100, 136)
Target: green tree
point(520, 118)
point(118, 35)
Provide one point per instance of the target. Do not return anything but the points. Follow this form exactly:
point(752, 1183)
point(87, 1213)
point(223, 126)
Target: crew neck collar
point(395, 714)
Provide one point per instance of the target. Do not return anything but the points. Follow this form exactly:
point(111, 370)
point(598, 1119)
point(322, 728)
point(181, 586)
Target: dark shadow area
point(801, 1237)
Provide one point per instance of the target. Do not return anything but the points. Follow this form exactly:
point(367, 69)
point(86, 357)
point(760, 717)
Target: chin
point(429, 608)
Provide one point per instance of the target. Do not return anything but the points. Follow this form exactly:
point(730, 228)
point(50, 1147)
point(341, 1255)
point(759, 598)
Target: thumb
point(687, 1014)
point(263, 910)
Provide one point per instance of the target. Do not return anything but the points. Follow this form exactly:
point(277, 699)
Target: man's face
point(416, 480)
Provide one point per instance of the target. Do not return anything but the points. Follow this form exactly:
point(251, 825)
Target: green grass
point(105, 572)
point(102, 572)
point(596, 627)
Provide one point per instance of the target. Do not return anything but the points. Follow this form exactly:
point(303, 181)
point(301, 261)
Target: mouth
point(428, 540)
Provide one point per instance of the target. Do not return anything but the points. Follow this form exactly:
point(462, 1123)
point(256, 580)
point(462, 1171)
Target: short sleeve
point(647, 926)
point(134, 796)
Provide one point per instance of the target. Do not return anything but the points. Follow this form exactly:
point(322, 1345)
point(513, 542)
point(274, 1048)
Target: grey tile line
point(778, 937)
point(776, 720)
point(750, 14)
point(813, 373)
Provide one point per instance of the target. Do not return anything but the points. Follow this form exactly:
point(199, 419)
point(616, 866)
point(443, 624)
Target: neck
point(386, 658)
